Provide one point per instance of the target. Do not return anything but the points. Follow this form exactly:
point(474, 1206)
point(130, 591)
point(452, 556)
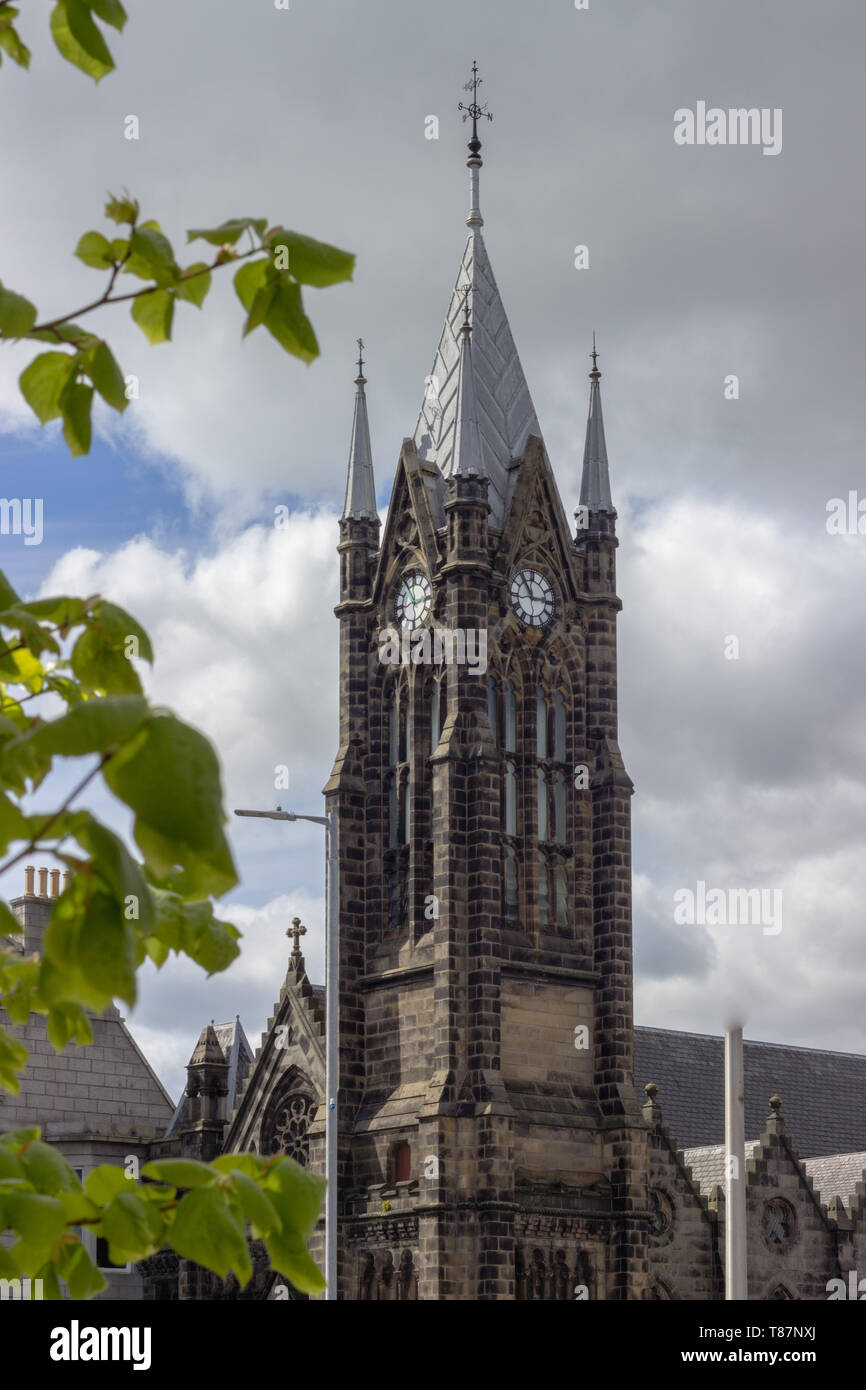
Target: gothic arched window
point(552, 806)
point(502, 706)
point(398, 786)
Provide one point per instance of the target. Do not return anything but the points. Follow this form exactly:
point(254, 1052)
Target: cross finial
point(594, 354)
point(360, 377)
point(296, 931)
point(474, 110)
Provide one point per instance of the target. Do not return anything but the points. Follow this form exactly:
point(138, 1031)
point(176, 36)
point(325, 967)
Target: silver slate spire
point(595, 481)
point(360, 484)
point(504, 410)
point(467, 435)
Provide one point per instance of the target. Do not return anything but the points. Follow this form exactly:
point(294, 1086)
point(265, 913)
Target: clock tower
point(490, 1142)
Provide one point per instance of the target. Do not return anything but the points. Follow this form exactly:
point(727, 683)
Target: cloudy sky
point(704, 262)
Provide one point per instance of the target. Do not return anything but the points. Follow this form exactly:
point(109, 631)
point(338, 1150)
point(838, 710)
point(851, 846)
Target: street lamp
point(332, 1026)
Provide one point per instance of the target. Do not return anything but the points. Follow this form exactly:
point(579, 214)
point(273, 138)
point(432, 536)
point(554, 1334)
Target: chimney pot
point(55, 883)
point(67, 879)
point(43, 883)
point(29, 880)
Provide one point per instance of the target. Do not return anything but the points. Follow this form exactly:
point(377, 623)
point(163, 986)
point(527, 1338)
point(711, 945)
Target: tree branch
point(106, 298)
point(76, 791)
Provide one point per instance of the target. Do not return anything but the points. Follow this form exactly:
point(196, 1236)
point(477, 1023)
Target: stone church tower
point(491, 1145)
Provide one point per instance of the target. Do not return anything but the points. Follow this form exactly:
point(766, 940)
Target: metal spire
point(360, 483)
point(475, 113)
point(595, 482)
point(468, 457)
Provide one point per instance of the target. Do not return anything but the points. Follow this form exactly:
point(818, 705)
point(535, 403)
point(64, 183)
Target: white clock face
point(413, 599)
point(532, 598)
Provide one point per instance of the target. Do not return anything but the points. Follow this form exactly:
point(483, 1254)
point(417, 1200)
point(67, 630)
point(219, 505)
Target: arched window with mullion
point(503, 703)
point(398, 784)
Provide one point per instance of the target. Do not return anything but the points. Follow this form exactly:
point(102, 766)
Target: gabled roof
point(833, 1175)
point(824, 1093)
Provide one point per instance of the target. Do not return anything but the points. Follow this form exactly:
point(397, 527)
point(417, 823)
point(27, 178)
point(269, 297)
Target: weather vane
point(473, 110)
point(360, 357)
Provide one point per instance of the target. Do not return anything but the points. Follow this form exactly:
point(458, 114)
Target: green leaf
point(107, 377)
point(13, 826)
point(290, 1257)
point(117, 868)
point(180, 1172)
point(103, 655)
point(122, 210)
point(11, 44)
point(255, 1204)
point(95, 250)
point(38, 1219)
point(95, 726)
point(179, 820)
point(11, 1166)
point(61, 610)
point(149, 243)
point(111, 11)
point(153, 313)
point(79, 40)
point(260, 308)
point(298, 1195)
point(80, 1274)
point(48, 1170)
point(191, 928)
point(313, 262)
point(8, 596)
point(228, 232)
point(68, 1021)
point(204, 1230)
point(90, 953)
point(287, 322)
point(13, 1058)
point(250, 279)
point(102, 1184)
point(194, 284)
point(130, 1226)
point(75, 401)
point(17, 314)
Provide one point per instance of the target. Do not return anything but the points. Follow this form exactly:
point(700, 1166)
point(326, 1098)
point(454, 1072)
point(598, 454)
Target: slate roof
point(834, 1175)
point(237, 1052)
point(823, 1093)
point(505, 413)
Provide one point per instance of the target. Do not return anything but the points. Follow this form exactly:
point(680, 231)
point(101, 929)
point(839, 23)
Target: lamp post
point(332, 1026)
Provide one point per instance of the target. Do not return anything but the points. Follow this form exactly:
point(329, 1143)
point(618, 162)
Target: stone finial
point(776, 1107)
point(651, 1110)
